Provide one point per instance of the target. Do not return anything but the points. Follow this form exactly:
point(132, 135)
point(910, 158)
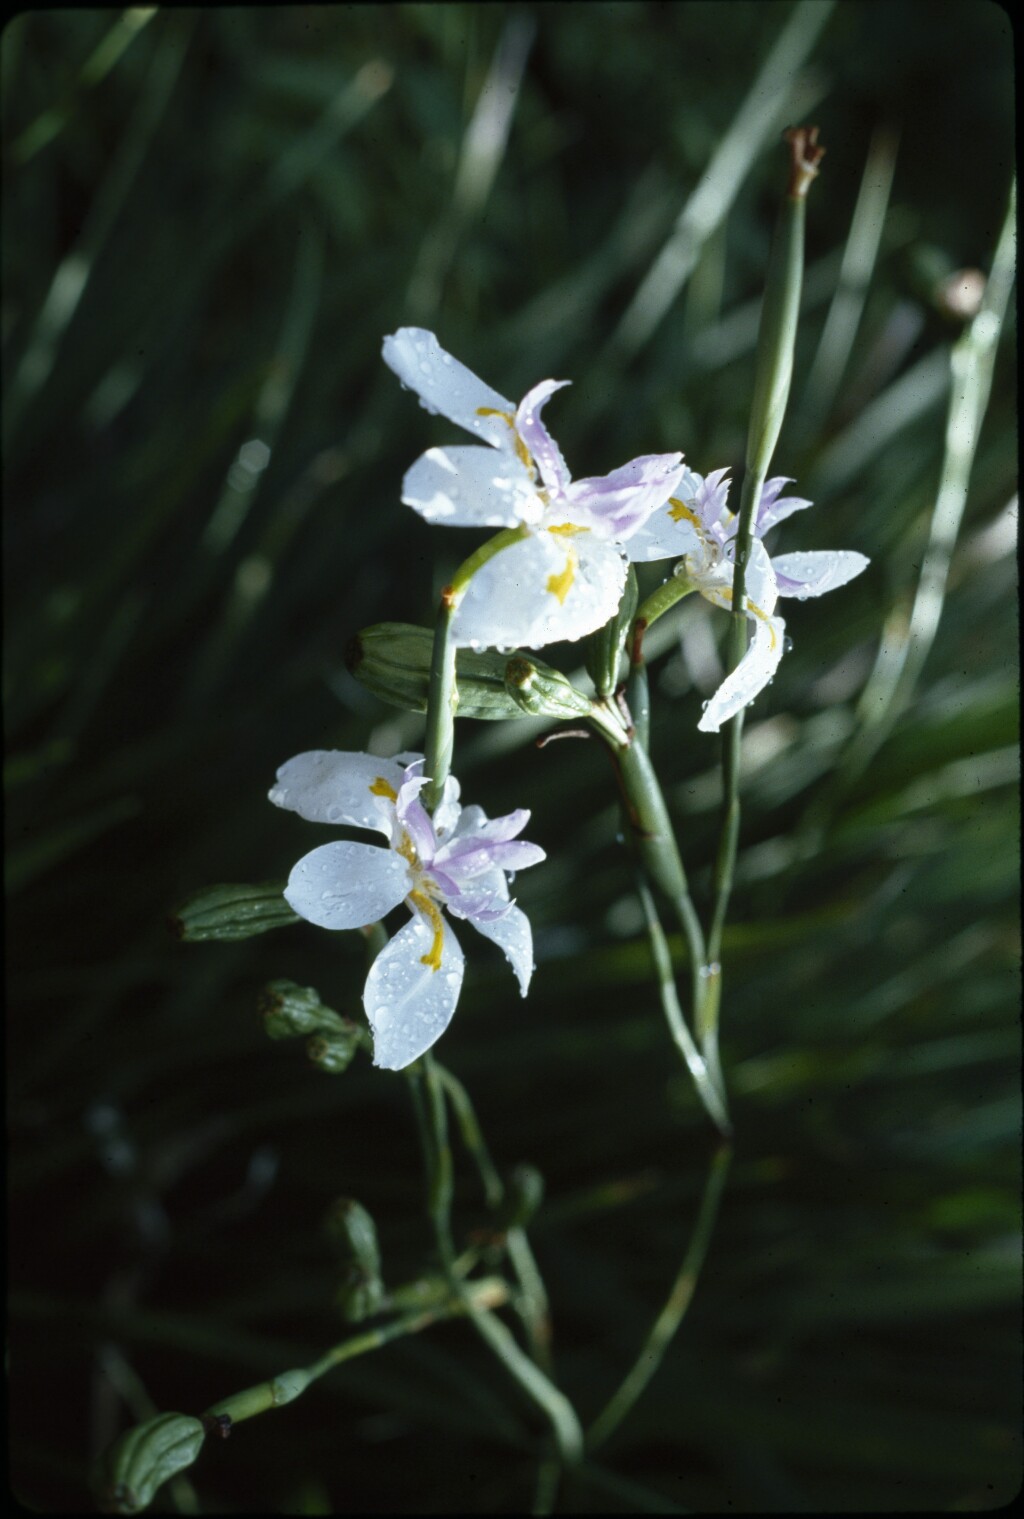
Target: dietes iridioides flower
point(455, 861)
point(697, 524)
point(563, 576)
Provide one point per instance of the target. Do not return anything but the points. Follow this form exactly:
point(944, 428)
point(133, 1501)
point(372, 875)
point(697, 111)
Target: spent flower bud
point(138, 1463)
point(289, 1010)
point(393, 659)
point(542, 691)
point(354, 1233)
point(232, 912)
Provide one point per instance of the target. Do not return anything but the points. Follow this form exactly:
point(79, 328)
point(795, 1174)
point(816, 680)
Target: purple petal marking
point(619, 503)
point(542, 446)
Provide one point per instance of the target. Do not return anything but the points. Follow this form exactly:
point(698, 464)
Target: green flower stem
point(638, 697)
point(671, 1316)
point(535, 1309)
point(650, 830)
point(708, 1085)
point(660, 601)
point(430, 1111)
point(465, 572)
point(442, 700)
point(477, 1296)
point(443, 692)
point(772, 378)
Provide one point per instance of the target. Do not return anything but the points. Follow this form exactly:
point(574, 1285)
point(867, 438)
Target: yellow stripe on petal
point(680, 512)
point(560, 585)
point(567, 529)
point(432, 913)
point(381, 787)
point(765, 619)
point(510, 417)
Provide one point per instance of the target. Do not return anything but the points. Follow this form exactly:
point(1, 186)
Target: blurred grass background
point(211, 219)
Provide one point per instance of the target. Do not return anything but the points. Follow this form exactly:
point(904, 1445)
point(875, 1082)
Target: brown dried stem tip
point(803, 143)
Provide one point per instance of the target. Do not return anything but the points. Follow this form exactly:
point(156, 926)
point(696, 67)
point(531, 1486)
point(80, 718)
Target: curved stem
point(671, 1316)
point(430, 1109)
point(707, 1083)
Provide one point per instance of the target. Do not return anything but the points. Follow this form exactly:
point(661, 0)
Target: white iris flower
point(455, 861)
point(563, 576)
point(697, 524)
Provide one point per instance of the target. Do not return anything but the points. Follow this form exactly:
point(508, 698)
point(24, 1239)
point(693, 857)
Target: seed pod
point(392, 659)
point(542, 691)
point(289, 1010)
point(232, 912)
point(142, 1460)
point(604, 648)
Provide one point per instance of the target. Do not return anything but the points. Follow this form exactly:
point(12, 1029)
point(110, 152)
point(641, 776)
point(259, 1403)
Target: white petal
point(716, 582)
point(471, 487)
point(330, 786)
point(674, 529)
point(446, 386)
point(544, 588)
point(408, 1003)
point(514, 937)
point(347, 885)
point(750, 676)
point(448, 811)
point(816, 573)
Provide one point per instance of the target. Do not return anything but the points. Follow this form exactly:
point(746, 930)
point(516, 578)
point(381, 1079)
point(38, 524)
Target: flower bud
point(604, 648)
point(392, 659)
point(289, 1010)
point(232, 912)
point(354, 1232)
point(142, 1460)
point(542, 691)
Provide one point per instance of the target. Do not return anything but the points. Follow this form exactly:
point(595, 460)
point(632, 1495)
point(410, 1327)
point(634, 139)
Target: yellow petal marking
point(381, 787)
point(679, 512)
point(559, 585)
point(567, 529)
point(510, 417)
point(432, 913)
point(726, 595)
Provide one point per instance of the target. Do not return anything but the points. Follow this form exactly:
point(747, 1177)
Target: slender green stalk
point(553, 1403)
point(488, 1292)
point(671, 1316)
point(442, 700)
point(708, 1088)
point(535, 1309)
point(772, 378)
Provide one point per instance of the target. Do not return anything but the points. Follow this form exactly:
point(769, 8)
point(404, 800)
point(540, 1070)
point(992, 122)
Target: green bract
point(143, 1459)
point(604, 648)
point(233, 912)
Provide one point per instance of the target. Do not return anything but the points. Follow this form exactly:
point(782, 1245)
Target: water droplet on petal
point(787, 644)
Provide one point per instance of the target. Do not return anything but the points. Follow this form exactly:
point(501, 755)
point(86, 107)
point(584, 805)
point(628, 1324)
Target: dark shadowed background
point(210, 221)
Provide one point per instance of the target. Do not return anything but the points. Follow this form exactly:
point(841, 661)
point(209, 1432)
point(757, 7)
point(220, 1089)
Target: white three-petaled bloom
point(697, 523)
point(455, 860)
point(565, 575)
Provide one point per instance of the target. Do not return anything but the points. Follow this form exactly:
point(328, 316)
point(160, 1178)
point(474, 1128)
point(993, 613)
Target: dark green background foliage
point(205, 239)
